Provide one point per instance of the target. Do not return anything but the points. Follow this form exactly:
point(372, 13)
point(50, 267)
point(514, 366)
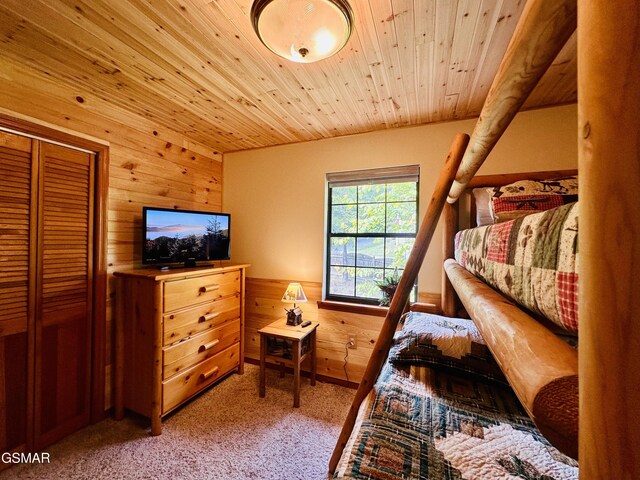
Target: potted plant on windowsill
point(388, 285)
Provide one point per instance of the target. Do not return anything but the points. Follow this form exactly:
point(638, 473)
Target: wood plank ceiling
point(197, 67)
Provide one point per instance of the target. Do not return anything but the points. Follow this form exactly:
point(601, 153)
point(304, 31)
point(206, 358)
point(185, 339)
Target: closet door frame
point(99, 303)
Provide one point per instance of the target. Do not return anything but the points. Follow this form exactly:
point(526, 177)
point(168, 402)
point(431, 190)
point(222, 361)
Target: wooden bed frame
point(609, 130)
point(541, 368)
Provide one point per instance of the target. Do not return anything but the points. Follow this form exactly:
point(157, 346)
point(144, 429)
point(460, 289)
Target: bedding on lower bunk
point(429, 421)
point(532, 259)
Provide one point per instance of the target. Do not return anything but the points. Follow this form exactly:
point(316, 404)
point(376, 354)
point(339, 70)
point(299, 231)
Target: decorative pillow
point(453, 343)
point(482, 198)
point(531, 196)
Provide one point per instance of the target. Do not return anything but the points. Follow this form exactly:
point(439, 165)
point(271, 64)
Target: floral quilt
point(421, 422)
point(532, 259)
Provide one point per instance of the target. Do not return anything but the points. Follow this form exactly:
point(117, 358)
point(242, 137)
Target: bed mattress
point(532, 260)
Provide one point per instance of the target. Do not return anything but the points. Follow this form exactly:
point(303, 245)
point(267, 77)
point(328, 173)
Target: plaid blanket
point(425, 423)
point(532, 260)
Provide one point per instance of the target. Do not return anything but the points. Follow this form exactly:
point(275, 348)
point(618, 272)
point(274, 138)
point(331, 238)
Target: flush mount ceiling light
point(302, 31)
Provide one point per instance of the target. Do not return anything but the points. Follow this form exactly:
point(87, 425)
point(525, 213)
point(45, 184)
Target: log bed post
point(609, 242)
point(542, 31)
point(416, 257)
point(450, 227)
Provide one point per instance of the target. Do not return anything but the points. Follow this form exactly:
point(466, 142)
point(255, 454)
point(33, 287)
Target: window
point(371, 226)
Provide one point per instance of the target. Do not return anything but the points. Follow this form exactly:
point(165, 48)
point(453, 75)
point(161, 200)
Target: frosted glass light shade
point(294, 294)
point(302, 31)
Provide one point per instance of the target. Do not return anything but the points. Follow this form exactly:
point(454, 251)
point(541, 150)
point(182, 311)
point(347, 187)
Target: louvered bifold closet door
point(63, 316)
point(17, 258)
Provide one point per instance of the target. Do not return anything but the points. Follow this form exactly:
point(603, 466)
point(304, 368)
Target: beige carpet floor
point(226, 433)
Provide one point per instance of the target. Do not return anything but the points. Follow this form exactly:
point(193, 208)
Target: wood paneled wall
point(149, 165)
point(263, 305)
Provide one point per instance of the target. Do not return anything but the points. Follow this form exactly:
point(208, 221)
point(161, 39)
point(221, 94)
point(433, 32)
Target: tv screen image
point(172, 236)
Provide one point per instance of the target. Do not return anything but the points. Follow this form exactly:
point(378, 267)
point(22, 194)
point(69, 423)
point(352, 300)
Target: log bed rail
point(541, 368)
point(609, 357)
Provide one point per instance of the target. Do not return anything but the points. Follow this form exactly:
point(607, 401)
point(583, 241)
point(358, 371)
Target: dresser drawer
point(183, 355)
point(186, 384)
point(188, 322)
point(192, 291)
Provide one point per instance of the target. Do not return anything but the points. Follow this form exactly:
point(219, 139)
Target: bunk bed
point(541, 369)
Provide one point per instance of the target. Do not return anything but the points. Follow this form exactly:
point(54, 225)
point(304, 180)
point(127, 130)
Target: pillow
point(482, 198)
point(450, 343)
point(531, 196)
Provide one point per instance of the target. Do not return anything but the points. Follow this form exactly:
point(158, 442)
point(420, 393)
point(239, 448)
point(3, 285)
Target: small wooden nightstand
point(298, 337)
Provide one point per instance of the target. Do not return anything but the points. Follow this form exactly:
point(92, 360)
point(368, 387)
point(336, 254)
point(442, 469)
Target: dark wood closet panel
point(64, 292)
point(47, 195)
point(17, 260)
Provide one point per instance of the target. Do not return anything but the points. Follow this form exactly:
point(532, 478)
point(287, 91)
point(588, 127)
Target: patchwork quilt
point(448, 343)
point(532, 259)
point(419, 422)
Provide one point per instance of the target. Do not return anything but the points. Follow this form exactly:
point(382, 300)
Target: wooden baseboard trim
point(304, 373)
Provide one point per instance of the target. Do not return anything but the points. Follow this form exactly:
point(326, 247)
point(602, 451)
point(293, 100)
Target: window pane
point(371, 193)
point(397, 192)
point(366, 282)
point(344, 194)
point(342, 281)
point(360, 252)
point(343, 251)
point(343, 219)
point(398, 250)
point(371, 218)
point(370, 252)
point(401, 217)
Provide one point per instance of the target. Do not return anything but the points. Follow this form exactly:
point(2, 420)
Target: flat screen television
point(184, 236)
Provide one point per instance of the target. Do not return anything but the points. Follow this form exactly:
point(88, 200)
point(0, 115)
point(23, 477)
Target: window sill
point(354, 308)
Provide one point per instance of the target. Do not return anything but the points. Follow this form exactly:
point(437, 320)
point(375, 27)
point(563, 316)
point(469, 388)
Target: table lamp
point(294, 294)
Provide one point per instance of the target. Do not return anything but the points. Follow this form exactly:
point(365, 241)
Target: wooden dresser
point(177, 332)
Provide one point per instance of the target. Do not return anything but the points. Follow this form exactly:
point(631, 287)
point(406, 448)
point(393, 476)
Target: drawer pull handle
point(207, 375)
point(209, 288)
point(207, 317)
point(208, 346)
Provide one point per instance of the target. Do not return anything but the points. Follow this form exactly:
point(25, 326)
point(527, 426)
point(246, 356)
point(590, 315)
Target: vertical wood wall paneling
point(263, 306)
point(17, 209)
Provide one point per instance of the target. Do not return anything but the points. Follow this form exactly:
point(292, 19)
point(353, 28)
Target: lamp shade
point(294, 294)
point(302, 31)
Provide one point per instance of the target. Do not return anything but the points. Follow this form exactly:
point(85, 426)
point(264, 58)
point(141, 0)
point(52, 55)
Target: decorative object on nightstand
point(294, 294)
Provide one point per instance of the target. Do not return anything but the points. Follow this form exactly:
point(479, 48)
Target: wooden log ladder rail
point(416, 257)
